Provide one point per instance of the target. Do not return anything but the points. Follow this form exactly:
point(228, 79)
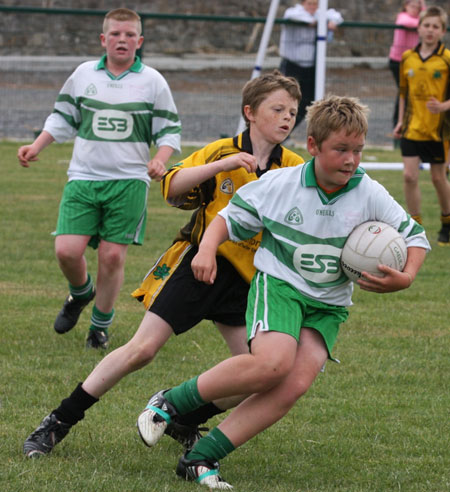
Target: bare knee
point(299, 389)
point(138, 355)
point(112, 259)
point(271, 372)
point(438, 179)
point(410, 178)
point(66, 255)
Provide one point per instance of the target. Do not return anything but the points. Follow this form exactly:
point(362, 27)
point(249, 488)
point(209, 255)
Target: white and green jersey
point(304, 229)
point(114, 120)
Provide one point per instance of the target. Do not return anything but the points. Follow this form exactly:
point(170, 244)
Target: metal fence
point(206, 86)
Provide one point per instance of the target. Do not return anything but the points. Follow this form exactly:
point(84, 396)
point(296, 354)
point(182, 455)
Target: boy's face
point(431, 31)
point(274, 119)
point(337, 159)
point(121, 40)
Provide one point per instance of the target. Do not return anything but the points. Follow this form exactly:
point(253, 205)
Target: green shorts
point(114, 210)
point(274, 305)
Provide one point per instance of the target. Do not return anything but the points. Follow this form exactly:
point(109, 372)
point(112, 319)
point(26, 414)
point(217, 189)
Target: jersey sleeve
point(403, 84)
point(406, 20)
point(63, 123)
point(166, 125)
point(389, 211)
point(198, 195)
point(299, 14)
point(243, 213)
point(334, 16)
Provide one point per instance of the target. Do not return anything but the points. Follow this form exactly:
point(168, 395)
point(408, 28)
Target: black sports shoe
point(68, 316)
point(154, 419)
point(444, 235)
point(49, 433)
point(97, 339)
point(203, 472)
point(186, 435)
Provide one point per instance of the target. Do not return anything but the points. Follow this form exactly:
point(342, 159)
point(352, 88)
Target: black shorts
point(184, 301)
point(428, 150)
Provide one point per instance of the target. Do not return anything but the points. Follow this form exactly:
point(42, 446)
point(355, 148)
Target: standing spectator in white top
point(114, 108)
point(298, 47)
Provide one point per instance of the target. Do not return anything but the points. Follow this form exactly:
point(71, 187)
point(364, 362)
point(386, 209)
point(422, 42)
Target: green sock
point(101, 321)
point(83, 291)
point(185, 397)
point(212, 447)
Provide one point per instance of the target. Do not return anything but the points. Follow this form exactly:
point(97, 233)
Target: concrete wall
point(40, 34)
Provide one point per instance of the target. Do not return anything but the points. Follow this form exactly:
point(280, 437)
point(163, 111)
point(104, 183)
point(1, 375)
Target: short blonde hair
point(255, 91)
point(434, 11)
point(122, 15)
point(334, 113)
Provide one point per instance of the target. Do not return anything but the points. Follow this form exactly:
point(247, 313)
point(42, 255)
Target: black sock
point(201, 415)
point(71, 410)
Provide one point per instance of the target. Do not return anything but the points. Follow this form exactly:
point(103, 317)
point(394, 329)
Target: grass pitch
point(379, 421)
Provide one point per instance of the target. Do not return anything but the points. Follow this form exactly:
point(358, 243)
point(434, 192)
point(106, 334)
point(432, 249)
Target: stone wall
point(43, 34)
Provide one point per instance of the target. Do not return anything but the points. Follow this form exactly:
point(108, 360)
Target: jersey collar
point(136, 67)
point(244, 143)
point(438, 51)
point(308, 179)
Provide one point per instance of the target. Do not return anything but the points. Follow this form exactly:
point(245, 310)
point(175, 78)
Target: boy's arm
point(189, 177)
point(393, 279)
point(401, 111)
point(204, 265)
point(28, 153)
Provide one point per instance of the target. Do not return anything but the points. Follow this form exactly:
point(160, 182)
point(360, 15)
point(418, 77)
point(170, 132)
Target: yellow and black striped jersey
point(211, 196)
point(421, 79)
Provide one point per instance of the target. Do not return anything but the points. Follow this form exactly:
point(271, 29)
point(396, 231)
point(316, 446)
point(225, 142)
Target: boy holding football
point(175, 300)
point(299, 295)
point(424, 118)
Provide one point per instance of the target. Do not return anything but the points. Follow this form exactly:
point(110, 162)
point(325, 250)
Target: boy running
point(299, 295)
point(176, 301)
point(115, 108)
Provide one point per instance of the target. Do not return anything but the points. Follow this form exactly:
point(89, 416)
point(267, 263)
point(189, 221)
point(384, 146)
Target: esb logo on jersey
point(111, 124)
point(318, 263)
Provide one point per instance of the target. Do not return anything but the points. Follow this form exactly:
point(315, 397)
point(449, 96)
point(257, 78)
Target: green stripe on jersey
point(68, 118)
point(237, 200)
point(299, 237)
point(241, 232)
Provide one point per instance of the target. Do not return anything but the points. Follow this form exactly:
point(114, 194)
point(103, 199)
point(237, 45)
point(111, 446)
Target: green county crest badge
point(294, 217)
point(91, 90)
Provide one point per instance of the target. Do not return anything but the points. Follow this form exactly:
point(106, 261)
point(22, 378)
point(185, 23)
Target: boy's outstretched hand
point(392, 281)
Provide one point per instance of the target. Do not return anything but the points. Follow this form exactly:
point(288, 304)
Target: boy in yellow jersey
point(176, 301)
point(424, 101)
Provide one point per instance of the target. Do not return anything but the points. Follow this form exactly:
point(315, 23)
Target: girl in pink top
point(404, 39)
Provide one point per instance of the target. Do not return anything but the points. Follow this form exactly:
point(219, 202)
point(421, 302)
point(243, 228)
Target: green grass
point(379, 421)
